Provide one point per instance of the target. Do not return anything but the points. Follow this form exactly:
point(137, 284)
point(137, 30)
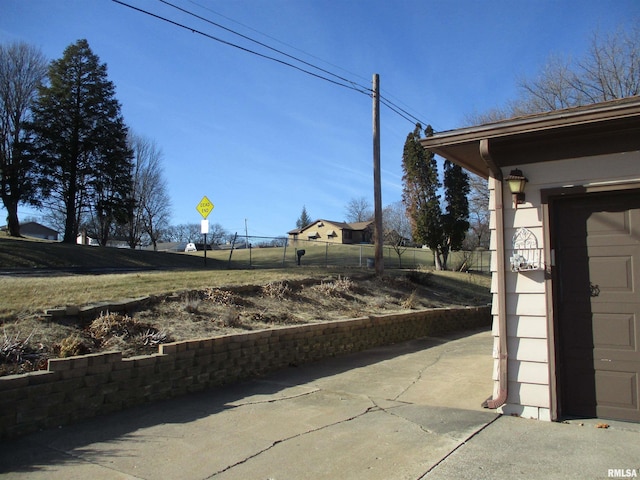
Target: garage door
point(597, 249)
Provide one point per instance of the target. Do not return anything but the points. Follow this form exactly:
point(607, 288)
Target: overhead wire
point(212, 37)
point(262, 44)
point(389, 104)
point(293, 47)
point(341, 81)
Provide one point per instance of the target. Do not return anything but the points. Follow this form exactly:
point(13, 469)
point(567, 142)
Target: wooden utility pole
point(377, 188)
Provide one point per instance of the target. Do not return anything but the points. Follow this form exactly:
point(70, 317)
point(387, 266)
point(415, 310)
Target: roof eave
point(462, 146)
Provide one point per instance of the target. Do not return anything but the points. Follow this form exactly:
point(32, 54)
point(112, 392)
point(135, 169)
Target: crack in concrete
point(419, 376)
point(275, 400)
point(393, 414)
point(375, 407)
point(458, 447)
point(298, 435)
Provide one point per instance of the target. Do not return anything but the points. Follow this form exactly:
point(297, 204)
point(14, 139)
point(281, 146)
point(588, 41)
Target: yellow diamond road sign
point(204, 207)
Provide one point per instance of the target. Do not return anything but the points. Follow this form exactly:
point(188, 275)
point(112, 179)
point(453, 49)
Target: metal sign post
point(204, 229)
point(204, 208)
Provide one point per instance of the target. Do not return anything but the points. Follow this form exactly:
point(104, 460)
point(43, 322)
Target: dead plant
point(277, 290)
point(219, 296)
point(336, 288)
point(410, 302)
point(191, 303)
point(13, 349)
point(72, 346)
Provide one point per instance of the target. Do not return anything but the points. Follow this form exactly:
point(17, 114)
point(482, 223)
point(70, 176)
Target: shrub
point(191, 303)
point(410, 302)
point(114, 324)
point(278, 290)
point(340, 287)
point(72, 346)
point(12, 349)
point(219, 296)
point(152, 338)
point(231, 318)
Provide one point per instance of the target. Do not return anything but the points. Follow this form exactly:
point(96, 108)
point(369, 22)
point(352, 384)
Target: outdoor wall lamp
point(517, 181)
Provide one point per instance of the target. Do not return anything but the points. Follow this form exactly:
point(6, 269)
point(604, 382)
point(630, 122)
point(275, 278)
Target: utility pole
point(377, 188)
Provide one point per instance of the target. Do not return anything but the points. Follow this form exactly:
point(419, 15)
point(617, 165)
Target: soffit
point(609, 127)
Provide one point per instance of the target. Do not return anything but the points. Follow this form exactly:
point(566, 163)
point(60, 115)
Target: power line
point(199, 32)
point(204, 7)
point(389, 103)
point(364, 89)
point(343, 82)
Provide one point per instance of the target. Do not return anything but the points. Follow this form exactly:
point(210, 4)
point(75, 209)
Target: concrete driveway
point(407, 411)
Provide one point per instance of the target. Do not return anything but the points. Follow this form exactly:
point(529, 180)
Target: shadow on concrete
point(39, 452)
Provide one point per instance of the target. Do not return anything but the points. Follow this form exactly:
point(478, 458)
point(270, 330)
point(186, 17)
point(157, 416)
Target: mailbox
point(300, 253)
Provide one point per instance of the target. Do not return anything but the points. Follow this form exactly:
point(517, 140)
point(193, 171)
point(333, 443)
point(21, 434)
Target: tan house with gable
point(565, 257)
point(334, 232)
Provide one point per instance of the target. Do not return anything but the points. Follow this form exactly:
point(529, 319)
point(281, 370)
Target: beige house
point(565, 257)
point(334, 232)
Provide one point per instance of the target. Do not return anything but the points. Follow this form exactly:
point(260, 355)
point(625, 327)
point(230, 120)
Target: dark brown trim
point(599, 129)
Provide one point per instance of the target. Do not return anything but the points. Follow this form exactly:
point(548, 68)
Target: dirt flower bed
point(27, 343)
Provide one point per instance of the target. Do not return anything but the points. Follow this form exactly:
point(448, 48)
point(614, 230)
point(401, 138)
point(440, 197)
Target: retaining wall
point(80, 387)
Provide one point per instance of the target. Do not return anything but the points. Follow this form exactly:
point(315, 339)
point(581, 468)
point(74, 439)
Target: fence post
point(326, 254)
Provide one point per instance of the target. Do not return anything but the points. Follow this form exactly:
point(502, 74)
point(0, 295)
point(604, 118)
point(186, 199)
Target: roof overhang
point(608, 127)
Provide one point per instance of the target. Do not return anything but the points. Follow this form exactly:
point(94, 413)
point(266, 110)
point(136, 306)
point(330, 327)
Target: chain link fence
point(267, 252)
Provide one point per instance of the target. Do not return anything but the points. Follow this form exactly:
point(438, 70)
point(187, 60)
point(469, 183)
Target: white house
point(565, 257)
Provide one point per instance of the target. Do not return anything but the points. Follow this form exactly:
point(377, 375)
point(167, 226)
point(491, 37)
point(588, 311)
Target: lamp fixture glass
point(516, 181)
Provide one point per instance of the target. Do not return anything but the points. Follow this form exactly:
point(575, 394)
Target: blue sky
point(260, 139)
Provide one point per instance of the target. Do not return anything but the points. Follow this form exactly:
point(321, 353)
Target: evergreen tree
point(81, 144)
point(304, 219)
point(420, 192)
point(22, 69)
point(441, 231)
point(455, 221)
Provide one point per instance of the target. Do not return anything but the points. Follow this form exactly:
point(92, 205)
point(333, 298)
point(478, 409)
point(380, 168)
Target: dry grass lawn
point(197, 303)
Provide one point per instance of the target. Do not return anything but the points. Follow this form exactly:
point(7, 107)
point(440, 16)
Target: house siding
point(528, 344)
point(330, 232)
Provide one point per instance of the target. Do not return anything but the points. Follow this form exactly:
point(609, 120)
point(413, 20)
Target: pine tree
point(80, 142)
point(420, 192)
point(304, 219)
point(441, 231)
point(455, 221)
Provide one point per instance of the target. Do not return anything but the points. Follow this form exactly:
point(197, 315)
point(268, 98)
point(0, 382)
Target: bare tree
point(22, 69)
point(397, 228)
point(359, 210)
point(478, 234)
point(609, 70)
point(217, 234)
point(150, 204)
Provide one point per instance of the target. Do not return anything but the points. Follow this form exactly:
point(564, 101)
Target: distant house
point(36, 230)
point(334, 232)
point(84, 239)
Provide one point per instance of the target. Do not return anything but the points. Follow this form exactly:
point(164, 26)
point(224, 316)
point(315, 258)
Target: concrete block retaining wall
point(80, 387)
